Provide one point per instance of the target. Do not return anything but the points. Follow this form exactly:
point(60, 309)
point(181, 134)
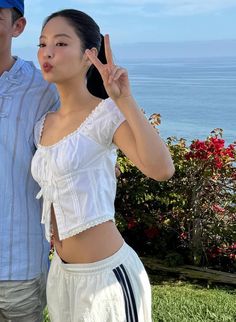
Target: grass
point(184, 302)
point(175, 301)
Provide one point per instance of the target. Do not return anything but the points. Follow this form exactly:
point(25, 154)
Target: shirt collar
point(11, 75)
point(17, 66)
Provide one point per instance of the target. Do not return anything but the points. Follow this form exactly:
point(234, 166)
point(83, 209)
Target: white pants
point(115, 289)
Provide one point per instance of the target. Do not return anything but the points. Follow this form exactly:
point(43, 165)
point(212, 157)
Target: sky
point(134, 22)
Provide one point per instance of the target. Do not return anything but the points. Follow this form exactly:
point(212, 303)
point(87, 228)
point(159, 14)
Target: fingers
point(94, 60)
point(108, 51)
point(112, 73)
point(116, 73)
point(120, 71)
point(109, 71)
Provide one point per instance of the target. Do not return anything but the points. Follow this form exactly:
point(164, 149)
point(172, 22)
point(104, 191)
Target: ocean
point(193, 96)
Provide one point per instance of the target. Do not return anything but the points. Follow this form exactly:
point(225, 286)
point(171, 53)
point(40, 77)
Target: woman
point(94, 274)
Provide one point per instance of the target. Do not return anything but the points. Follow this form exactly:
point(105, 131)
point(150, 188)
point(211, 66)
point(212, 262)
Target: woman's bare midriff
point(91, 245)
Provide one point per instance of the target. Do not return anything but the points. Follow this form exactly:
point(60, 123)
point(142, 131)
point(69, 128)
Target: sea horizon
point(193, 95)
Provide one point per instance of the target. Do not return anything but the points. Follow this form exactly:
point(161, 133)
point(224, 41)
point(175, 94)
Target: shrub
point(193, 213)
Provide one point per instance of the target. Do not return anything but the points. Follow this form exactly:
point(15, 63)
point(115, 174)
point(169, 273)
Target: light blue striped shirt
point(24, 98)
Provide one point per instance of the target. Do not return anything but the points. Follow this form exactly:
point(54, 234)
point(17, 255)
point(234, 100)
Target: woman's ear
point(18, 27)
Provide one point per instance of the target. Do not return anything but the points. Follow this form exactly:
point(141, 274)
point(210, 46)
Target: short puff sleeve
point(114, 120)
point(38, 130)
point(104, 122)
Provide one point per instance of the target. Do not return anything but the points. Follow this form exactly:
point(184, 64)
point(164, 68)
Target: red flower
point(151, 232)
point(183, 236)
point(218, 163)
point(232, 256)
point(132, 223)
point(233, 246)
point(218, 208)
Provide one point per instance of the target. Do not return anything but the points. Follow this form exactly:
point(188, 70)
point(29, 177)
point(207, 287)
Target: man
point(24, 98)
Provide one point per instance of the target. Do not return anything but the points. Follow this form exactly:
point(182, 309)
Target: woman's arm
point(141, 143)
point(135, 137)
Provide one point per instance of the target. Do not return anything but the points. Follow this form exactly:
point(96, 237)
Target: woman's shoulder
point(39, 126)
point(41, 120)
point(109, 108)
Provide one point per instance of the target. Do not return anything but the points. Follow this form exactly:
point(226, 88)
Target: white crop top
point(77, 174)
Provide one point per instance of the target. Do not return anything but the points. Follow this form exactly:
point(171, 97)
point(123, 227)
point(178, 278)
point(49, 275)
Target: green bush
point(193, 214)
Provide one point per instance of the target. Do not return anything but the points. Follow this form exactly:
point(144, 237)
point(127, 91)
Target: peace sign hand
point(115, 78)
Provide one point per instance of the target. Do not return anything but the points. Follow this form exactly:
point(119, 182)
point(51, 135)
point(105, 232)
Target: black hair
point(89, 33)
point(15, 14)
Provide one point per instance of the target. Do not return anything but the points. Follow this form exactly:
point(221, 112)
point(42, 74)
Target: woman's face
point(60, 52)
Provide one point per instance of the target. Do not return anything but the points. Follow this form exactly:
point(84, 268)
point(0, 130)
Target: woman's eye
point(41, 45)
point(60, 44)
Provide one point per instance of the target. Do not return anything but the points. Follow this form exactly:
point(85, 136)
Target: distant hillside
point(214, 48)
point(220, 48)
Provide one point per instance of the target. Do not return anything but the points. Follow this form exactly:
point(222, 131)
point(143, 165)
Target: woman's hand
point(136, 138)
point(115, 78)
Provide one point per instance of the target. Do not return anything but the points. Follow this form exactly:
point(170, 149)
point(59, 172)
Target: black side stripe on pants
point(130, 305)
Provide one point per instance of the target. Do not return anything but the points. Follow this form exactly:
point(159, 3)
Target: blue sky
point(138, 21)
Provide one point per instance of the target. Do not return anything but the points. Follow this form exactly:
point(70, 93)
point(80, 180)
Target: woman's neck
point(74, 96)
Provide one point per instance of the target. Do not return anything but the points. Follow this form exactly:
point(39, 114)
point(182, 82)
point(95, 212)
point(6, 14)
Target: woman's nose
point(48, 54)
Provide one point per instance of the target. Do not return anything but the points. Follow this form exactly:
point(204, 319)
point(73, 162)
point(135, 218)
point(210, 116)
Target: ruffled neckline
point(89, 118)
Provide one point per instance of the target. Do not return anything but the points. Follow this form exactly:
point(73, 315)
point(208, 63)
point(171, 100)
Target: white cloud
point(138, 7)
point(163, 7)
point(192, 7)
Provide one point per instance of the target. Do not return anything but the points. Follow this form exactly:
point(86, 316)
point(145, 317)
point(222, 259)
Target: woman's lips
point(47, 67)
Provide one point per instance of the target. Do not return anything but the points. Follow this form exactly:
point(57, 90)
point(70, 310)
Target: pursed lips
point(47, 67)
